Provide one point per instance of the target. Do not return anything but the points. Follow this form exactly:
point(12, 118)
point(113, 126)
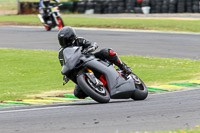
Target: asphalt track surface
point(167, 111)
point(157, 44)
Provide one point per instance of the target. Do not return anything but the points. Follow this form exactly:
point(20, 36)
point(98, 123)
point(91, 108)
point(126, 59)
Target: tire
point(47, 28)
point(89, 89)
point(141, 91)
point(61, 23)
point(79, 93)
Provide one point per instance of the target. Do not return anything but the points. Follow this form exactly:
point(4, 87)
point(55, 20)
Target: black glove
point(92, 48)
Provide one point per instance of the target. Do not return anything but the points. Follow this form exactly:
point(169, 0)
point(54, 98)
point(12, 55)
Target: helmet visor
point(68, 41)
point(65, 42)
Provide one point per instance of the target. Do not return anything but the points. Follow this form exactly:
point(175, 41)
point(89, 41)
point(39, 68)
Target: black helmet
point(66, 35)
point(46, 3)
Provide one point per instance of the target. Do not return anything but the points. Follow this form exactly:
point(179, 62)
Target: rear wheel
point(48, 28)
point(98, 93)
point(141, 91)
point(61, 23)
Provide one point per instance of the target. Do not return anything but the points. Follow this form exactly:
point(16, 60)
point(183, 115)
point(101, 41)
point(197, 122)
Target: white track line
point(134, 30)
point(57, 107)
point(115, 29)
point(33, 109)
point(179, 91)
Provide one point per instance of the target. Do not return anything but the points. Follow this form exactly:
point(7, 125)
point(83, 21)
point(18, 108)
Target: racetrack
point(159, 44)
point(158, 112)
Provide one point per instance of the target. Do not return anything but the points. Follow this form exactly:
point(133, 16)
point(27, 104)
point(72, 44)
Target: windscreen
point(71, 57)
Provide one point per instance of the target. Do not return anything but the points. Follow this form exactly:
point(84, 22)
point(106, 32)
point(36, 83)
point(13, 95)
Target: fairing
point(71, 57)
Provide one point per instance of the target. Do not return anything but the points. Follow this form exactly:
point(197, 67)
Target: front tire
point(61, 23)
point(100, 95)
point(79, 93)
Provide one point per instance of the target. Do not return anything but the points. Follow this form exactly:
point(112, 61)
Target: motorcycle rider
point(67, 37)
point(43, 5)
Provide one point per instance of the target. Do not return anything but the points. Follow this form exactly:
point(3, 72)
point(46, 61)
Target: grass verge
point(175, 131)
point(146, 24)
point(181, 131)
point(31, 72)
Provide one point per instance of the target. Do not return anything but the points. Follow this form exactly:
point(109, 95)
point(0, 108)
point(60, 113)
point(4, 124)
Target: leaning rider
point(67, 37)
point(43, 5)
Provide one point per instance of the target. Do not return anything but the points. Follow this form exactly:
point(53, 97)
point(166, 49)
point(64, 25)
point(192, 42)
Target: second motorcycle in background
point(50, 17)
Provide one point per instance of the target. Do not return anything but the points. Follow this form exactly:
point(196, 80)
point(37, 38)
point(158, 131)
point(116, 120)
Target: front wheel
point(61, 23)
point(141, 91)
point(98, 93)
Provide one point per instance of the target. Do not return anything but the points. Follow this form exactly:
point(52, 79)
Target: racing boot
point(113, 57)
point(127, 70)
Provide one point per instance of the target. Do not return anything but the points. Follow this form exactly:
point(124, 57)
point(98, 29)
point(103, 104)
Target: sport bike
point(99, 79)
point(51, 18)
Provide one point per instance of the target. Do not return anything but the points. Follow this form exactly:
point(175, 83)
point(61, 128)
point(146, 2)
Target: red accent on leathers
point(112, 53)
point(119, 61)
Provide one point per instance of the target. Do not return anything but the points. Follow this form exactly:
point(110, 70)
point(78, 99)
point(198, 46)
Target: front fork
point(55, 19)
point(92, 78)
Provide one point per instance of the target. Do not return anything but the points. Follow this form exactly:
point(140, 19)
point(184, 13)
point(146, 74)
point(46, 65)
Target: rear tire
point(47, 28)
point(101, 96)
point(141, 91)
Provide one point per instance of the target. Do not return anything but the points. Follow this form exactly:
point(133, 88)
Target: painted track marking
point(33, 109)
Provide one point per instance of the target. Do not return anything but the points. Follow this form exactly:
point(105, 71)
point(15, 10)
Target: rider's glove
point(92, 48)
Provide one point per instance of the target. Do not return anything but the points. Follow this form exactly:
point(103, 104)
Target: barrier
point(113, 6)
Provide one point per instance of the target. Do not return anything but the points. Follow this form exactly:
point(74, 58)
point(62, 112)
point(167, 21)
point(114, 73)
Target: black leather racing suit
point(103, 54)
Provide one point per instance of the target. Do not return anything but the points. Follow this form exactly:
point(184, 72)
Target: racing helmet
point(46, 3)
point(66, 36)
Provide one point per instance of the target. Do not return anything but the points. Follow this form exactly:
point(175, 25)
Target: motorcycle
point(51, 18)
point(99, 79)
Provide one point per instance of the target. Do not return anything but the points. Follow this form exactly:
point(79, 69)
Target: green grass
point(28, 72)
point(147, 24)
point(12, 4)
point(163, 70)
point(52, 2)
point(8, 4)
point(174, 131)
